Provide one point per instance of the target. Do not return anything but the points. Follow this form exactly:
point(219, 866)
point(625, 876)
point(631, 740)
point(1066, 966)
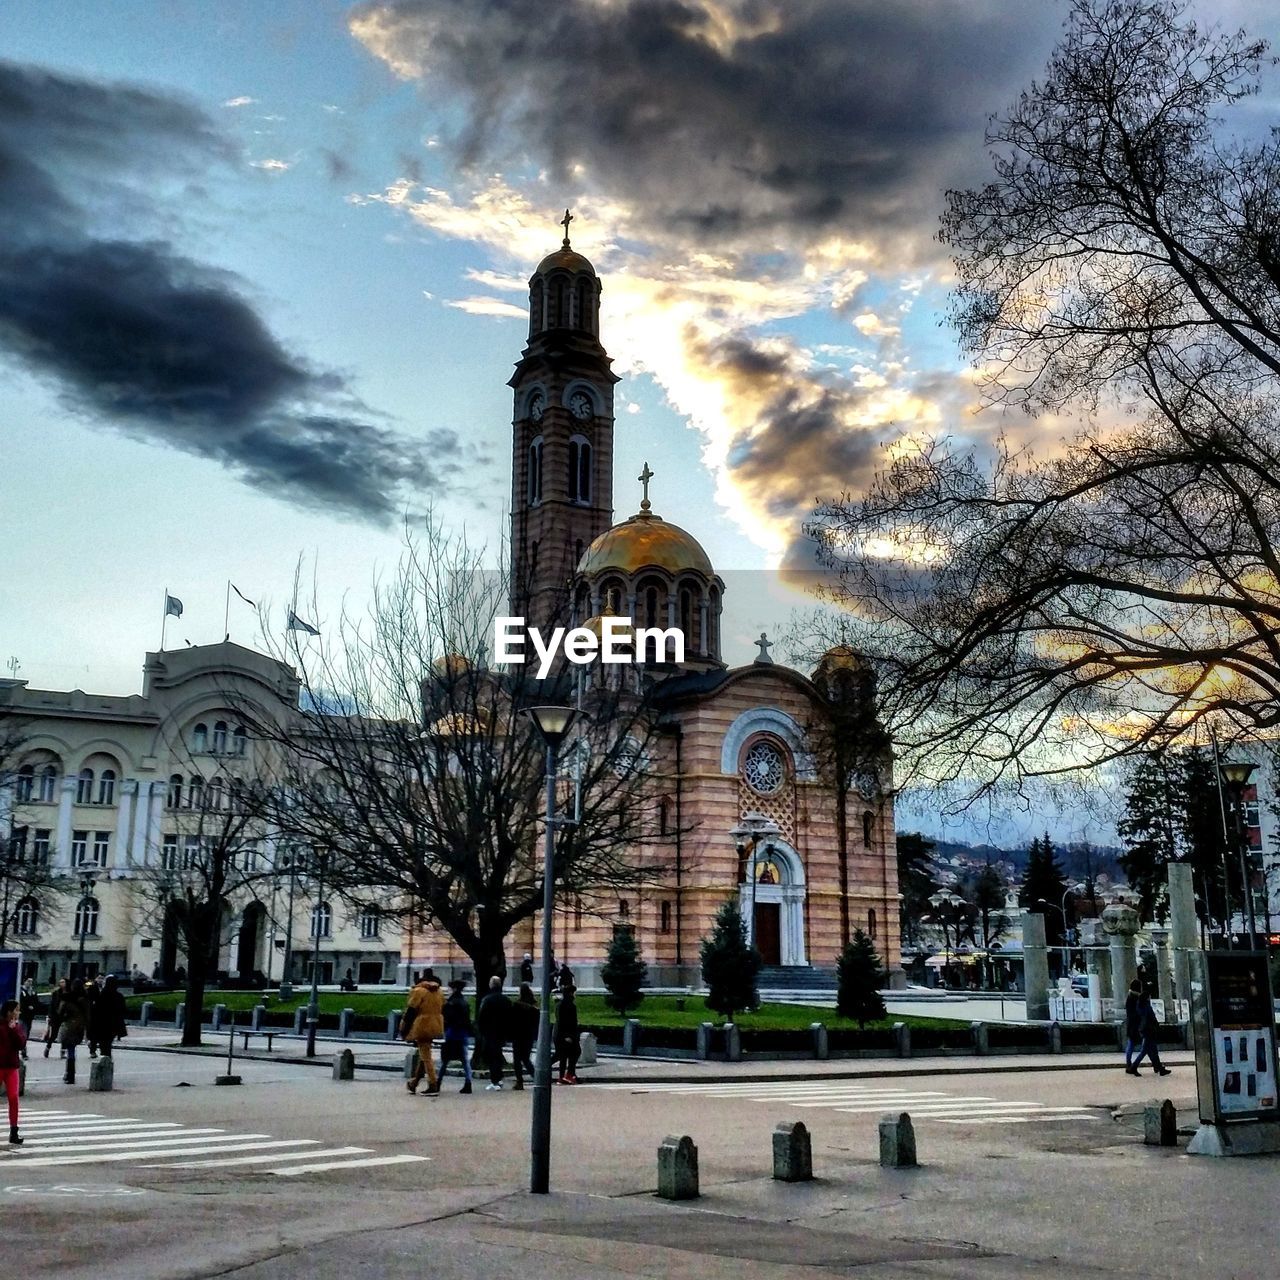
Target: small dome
point(596, 624)
point(565, 259)
point(451, 665)
point(841, 657)
point(645, 541)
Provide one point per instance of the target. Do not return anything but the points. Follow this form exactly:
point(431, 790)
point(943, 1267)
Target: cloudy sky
point(262, 272)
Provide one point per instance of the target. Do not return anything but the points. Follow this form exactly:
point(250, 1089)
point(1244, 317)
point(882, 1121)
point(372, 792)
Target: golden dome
point(596, 624)
point(565, 259)
point(451, 665)
point(645, 541)
point(841, 657)
point(462, 724)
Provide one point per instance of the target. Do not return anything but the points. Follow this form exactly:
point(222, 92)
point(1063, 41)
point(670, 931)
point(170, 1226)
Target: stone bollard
point(1160, 1124)
point(706, 1037)
point(144, 1014)
point(102, 1073)
point(587, 1050)
point(344, 1065)
point(22, 1078)
point(345, 1019)
point(1055, 1037)
point(299, 1019)
point(792, 1152)
point(255, 1018)
point(978, 1034)
point(902, 1034)
point(410, 1061)
point(393, 1024)
point(218, 1011)
point(180, 1015)
point(819, 1034)
point(732, 1043)
point(678, 1169)
point(631, 1036)
point(897, 1141)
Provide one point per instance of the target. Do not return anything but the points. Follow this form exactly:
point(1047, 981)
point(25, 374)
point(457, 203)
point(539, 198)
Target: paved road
point(1025, 1173)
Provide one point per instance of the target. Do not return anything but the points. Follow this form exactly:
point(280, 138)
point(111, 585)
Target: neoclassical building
point(737, 776)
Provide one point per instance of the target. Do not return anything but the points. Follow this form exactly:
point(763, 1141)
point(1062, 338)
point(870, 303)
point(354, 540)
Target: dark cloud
point(135, 335)
point(805, 116)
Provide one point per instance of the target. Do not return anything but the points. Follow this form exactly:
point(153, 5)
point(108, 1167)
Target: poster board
point(10, 974)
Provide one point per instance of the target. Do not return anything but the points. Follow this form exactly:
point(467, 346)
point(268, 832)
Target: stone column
point(128, 791)
point(1035, 966)
point(1184, 928)
point(1121, 923)
point(62, 836)
point(1164, 968)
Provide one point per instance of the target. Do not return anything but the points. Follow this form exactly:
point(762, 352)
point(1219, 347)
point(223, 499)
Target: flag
point(297, 624)
point(242, 596)
point(172, 606)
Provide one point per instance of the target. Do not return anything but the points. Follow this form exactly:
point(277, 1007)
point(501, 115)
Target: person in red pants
point(13, 1041)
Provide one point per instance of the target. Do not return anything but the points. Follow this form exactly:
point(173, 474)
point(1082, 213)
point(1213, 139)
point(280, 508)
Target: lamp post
point(1236, 774)
point(313, 1009)
point(951, 901)
point(747, 836)
point(552, 724)
point(286, 983)
point(87, 881)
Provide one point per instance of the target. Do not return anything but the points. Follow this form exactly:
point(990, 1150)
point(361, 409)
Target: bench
point(270, 1035)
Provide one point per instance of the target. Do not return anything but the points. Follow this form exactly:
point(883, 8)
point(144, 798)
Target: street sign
point(1234, 1021)
point(10, 974)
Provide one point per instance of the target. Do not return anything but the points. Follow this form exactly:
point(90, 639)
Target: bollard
point(792, 1152)
point(144, 1014)
point(102, 1073)
point(180, 1014)
point(345, 1019)
point(587, 1055)
point(678, 1169)
point(902, 1034)
point(344, 1065)
point(631, 1036)
point(218, 1011)
point(393, 1024)
point(978, 1034)
point(255, 1018)
point(1055, 1037)
point(732, 1043)
point(706, 1032)
point(22, 1078)
point(410, 1061)
point(1160, 1124)
point(819, 1034)
point(897, 1141)
point(299, 1019)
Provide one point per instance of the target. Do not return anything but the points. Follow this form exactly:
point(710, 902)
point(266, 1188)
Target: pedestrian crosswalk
point(854, 1097)
point(54, 1139)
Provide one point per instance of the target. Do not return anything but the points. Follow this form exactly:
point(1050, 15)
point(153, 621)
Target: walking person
point(567, 1047)
point(53, 1023)
point(457, 1031)
point(524, 1033)
point(72, 1030)
point(91, 993)
point(107, 1017)
point(13, 1046)
point(422, 1023)
point(493, 1020)
point(526, 968)
point(28, 1005)
point(1132, 1026)
point(1148, 1031)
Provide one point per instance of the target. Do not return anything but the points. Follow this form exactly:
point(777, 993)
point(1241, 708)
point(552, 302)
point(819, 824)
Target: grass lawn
point(656, 1011)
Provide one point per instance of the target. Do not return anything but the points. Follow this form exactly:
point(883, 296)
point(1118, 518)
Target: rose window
point(763, 768)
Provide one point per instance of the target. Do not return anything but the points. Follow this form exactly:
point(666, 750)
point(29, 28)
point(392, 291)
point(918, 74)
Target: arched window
point(48, 783)
point(220, 738)
point(664, 915)
point(86, 925)
point(713, 625)
point(577, 913)
point(26, 917)
point(559, 304)
point(200, 738)
point(321, 920)
point(584, 306)
point(26, 784)
point(213, 797)
point(239, 741)
point(537, 303)
point(871, 922)
point(235, 795)
point(535, 471)
point(867, 820)
point(195, 792)
point(651, 607)
point(174, 799)
point(686, 618)
point(579, 470)
point(664, 815)
point(624, 909)
point(84, 787)
point(107, 787)
point(370, 922)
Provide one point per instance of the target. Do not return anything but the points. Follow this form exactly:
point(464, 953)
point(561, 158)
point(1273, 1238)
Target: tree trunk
point(201, 940)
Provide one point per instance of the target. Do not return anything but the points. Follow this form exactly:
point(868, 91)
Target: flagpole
point(164, 620)
point(226, 614)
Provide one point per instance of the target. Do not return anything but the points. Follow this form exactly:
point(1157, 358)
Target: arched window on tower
point(585, 309)
point(651, 607)
point(559, 304)
point(535, 472)
point(867, 820)
point(712, 645)
point(537, 308)
point(686, 619)
point(871, 923)
point(579, 470)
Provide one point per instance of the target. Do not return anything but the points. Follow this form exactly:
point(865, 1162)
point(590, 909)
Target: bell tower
point(562, 435)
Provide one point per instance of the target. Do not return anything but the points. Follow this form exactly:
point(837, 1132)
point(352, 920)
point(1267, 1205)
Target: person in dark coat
point(107, 1017)
point(493, 1019)
point(90, 992)
point(524, 1033)
point(71, 1031)
point(526, 968)
point(457, 1031)
point(567, 1047)
point(1132, 1026)
point(28, 1007)
point(1148, 1031)
point(54, 1022)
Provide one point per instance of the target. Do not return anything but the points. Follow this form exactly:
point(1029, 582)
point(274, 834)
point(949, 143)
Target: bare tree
point(417, 779)
point(1034, 616)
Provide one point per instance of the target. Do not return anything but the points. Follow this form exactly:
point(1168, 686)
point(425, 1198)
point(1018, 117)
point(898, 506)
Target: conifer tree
point(860, 977)
point(624, 974)
point(1043, 888)
point(729, 964)
point(1149, 829)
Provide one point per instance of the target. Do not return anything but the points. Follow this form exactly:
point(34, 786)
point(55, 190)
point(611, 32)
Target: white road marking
point(267, 1159)
point(126, 1141)
point(296, 1170)
point(207, 1146)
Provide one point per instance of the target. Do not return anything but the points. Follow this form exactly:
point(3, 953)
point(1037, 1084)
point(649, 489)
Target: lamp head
point(1237, 772)
point(552, 723)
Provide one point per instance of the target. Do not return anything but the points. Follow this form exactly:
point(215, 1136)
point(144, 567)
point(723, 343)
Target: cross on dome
point(644, 477)
point(764, 644)
point(564, 222)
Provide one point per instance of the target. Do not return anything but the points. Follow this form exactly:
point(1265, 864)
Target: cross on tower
point(564, 222)
point(764, 644)
point(644, 477)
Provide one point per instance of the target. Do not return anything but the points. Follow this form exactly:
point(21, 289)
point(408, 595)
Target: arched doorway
point(772, 904)
point(250, 937)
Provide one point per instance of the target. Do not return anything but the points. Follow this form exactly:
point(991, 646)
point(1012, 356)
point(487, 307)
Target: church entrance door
point(768, 931)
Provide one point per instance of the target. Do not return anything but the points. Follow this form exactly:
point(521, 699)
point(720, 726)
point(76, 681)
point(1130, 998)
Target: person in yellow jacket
point(422, 1023)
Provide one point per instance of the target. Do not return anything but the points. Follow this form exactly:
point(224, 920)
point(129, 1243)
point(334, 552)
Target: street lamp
point(951, 901)
point(1236, 774)
point(286, 983)
point(87, 881)
point(747, 836)
point(553, 725)
point(313, 1009)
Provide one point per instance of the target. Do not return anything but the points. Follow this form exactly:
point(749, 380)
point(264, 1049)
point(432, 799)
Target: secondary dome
point(565, 259)
point(646, 541)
